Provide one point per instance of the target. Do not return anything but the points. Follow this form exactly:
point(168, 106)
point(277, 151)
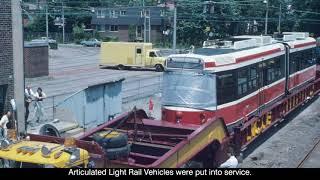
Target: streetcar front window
point(189, 89)
point(186, 63)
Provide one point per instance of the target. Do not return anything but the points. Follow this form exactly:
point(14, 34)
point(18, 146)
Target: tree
point(78, 33)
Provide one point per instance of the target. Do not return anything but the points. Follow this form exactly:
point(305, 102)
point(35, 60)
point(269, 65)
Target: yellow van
point(127, 54)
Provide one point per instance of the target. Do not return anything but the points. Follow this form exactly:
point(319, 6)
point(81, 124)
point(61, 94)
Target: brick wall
point(36, 61)
point(6, 53)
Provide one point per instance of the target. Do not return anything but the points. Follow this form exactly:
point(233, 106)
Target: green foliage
point(78, 33)
point(229, 17)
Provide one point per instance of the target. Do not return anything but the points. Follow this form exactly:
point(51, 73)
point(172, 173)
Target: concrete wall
point(6, 54)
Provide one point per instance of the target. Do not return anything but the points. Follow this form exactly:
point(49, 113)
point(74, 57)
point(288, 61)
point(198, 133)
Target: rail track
point(308, 155)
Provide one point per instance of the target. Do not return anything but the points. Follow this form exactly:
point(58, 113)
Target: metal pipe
point(266, 21)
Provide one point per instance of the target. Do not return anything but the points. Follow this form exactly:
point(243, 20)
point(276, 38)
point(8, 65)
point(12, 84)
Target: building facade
point(6, 56)
point(127, 24)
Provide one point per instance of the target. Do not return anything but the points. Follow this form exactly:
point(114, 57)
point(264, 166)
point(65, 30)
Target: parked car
point(52, 43)
point(91, 42)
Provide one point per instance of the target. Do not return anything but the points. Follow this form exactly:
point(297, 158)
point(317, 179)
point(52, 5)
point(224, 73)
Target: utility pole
point(144, 23)
point(63, 22)
point(174, 28)
point(47, 23)
point(266, 22)
point(279, 26)
point(18, 75)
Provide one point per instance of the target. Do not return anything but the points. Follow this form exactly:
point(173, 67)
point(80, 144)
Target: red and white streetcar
point(250, 82)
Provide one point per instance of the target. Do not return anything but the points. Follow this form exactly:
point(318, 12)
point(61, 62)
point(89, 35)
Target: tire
point(115, 153)
point(49, 130)
point(121, 67)
point(111, 140)
point(159, 68)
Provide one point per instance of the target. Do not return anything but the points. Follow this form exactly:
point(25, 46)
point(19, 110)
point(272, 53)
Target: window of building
point(113, 14)
point(226, 86)
point(139, 51)
point(123, 13)
point(162, 12)
point(114, 28)
point(100, 13)
point(145, 13)
point(101, 28)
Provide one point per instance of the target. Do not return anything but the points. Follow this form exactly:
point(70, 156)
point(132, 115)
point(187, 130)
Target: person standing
point(3, 124)
point(29, 95)
point(39, 110)
point(232, 162)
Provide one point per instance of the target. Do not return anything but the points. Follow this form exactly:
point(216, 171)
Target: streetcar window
point(185, 63)
point(242, 81)
point(253, 78)
point(317, 54)
point(225, 87)
point(294, 65)
point(271, 71)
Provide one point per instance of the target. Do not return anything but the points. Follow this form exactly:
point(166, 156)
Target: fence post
point(53, 108)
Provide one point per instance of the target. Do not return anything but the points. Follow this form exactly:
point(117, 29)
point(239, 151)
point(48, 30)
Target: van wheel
point(121, 67)
point(159, 67)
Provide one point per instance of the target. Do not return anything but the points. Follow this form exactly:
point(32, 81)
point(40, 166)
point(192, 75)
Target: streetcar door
point(287, 70)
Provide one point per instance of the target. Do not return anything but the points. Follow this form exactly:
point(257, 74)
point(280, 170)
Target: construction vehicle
point(125, 55)
point(26, 153)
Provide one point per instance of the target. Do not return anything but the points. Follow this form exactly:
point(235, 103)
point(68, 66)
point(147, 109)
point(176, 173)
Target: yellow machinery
point(26, 153)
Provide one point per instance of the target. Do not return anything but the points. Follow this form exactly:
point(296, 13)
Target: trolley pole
point(47, 23)
point(267, 14)
point(279, 25)
point(63, 23)
point(144, 23)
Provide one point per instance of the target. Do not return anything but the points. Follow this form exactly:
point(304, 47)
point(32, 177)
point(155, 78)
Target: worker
point(3, 124)
point(28, 96)
point(232, 162)
point(39, 110)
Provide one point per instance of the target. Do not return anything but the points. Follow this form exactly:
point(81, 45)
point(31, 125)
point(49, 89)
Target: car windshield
point(189, 89)
point(159, 54)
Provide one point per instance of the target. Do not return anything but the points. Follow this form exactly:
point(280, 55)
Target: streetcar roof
point(222, 58)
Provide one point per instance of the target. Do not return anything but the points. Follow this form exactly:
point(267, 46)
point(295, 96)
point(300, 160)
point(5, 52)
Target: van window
point(139, 51)
point(152, 54)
